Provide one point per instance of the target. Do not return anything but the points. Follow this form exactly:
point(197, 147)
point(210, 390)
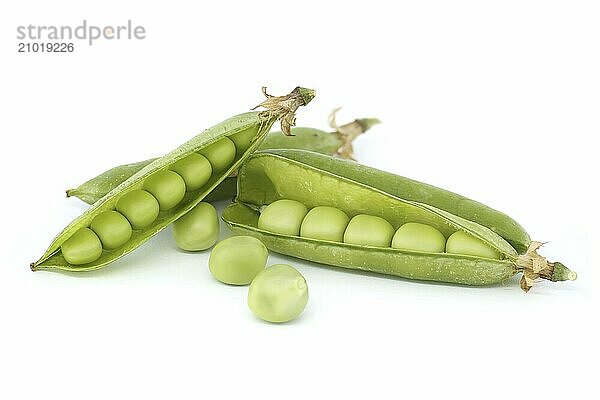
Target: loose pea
point(195, 170)
point(237, 260)
point(283, 217)
point(82, 247)
point(198, 229)
point(278, 294)
point(112, 228)
point(419, 237)
point(220, 154)
point(243, 139)
point(324, 223)
point(369, 230)
point(462, 243)
point(167, 186)
point(139, 207)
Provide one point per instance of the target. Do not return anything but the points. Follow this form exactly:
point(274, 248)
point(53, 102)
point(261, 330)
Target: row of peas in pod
point(290, 217)
point(161, 191)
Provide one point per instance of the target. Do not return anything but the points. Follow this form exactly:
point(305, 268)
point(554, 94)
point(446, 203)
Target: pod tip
point(32, 266)
point(367, 123)
point(562, 273)
point(305, 94)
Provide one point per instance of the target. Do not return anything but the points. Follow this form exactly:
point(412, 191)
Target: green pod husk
point(337, 143)
point(279, 108)
point(96, 188)
point(314, 179)
point(413, 190)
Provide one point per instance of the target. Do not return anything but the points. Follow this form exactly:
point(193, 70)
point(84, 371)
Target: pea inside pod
point(242, 140)
point(313, 180)
point(420, 237)
point(324, 223)
point(369, 230)
point(112, 228)
point(283, 216)
point(220, 154)
point(139, 207)
point(462, 243)
point(166, 187)
point(195, 170)
point(82, 247)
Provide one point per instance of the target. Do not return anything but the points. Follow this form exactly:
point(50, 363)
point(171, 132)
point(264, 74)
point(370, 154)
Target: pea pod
point(316, 180)
point(158, 183)
point(337, 143)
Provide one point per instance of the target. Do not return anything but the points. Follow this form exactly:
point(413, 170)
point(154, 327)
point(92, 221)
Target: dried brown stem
point(284, 107)
point(349, 132)
point(535, 266)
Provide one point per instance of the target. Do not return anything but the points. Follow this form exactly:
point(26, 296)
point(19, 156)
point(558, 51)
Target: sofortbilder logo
point(90, 33)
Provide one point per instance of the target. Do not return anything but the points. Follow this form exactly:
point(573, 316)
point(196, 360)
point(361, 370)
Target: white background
point(495, 100)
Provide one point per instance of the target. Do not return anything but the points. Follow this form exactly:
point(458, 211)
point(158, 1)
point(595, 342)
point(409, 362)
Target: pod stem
point(284, 108)
point(535, 266)
point(350, 131)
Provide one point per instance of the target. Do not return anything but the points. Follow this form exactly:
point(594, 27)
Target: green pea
point(198, 229)
point(167, 186)
point(419, 237)
point(462, 243)
point(283, 217)
point(139, 207)
point(243, 139)
point(324, 223)
point(237, 260)
point(278, 294)
point(195, 170)
point(220, 154)
point(369, 230)
point(82, 247)
point(112, 228)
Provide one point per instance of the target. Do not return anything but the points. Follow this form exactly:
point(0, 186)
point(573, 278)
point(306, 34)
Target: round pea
point(419, 237)
point(139, 207)
point(462, 243)
point(324, 223)
point(369, 230)
point(198, 229)
point(283, 217)
point(237, 260)
point(278, 294)
point(220, 154)
point(167, 186)
point(112, 228)
point(82, 247)
point(195, 170)
point(243, 139)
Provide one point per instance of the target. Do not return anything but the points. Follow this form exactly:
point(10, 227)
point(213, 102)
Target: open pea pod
point(337, 143)
point(221, 148)
point(316, 180)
